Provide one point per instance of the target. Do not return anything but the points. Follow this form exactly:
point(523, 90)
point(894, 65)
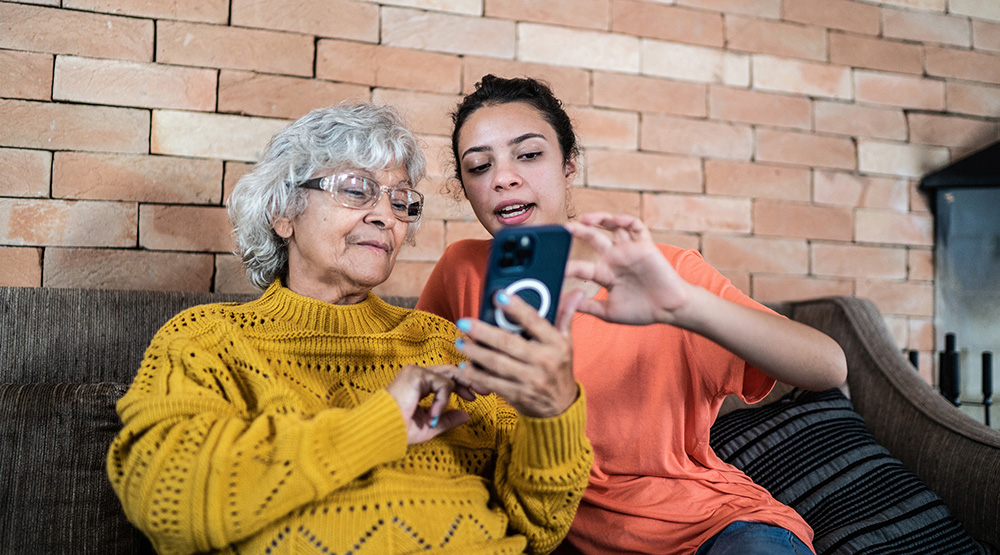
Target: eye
point(530, 155)
point(477, 169)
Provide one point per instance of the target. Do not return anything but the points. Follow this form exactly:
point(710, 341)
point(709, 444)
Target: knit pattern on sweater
point(265, 428)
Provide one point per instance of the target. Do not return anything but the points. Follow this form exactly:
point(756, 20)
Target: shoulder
point(467, 250)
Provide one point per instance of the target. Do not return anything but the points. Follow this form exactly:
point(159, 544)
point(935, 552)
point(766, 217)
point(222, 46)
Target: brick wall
point(782, 138)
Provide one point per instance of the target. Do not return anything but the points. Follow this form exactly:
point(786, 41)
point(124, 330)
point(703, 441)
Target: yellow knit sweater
point(265, 428)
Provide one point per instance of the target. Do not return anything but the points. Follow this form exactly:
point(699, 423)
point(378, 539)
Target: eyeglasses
point(359, 192)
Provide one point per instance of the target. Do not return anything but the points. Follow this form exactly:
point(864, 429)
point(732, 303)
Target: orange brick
point(681, 240)
point(899, 90)
point(920, 264)
point(888, 227)
point(127, 269)
point(859, 121)
point(394, 68)
point(424, 112)
point(746, 106)
point(26, 75)
point(20, 267)
point(563, 46)
point(983, 67)
point(745, 179)
point(211, 135)
point(138, 84)
point(756, 254)
point(324, 18)
point(739, 278)
point(68, 224)
point(585, 199)
point(801, 77)
point(845, 15)
point(674, 212)
point(196, 44)
point(79, 175)
point(852, 190)
point(441, 205)
point(789, 40)
point(570, 84)
point(986, 35)
point(454, 34)
point(696, 137)
point(598, 128)
point(787, 219)
point(586, 14)
point(921, 334)
point(456, 231)
point(56, 31)
point(25, 173)
point(855, 261)
point(926, 27)
point(973, 99)
point(207, 11)
point(898, 298)
point(762, 8)
point(407, 279)
point(643, 171)
point(429, 242)
point(185, 228)
point(771, 288)
point(669, 23)
point(954, 131)
point(277, 96)
point(795, 148)
point(73, 127)
point(230, 276)
point(645, 94)
point(437, 152)
point(695, 63)
point(898, 159)
point(233, 172)
point(874, 53)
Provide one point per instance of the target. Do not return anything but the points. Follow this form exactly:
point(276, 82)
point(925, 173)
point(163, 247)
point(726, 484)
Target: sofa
point(67, 356)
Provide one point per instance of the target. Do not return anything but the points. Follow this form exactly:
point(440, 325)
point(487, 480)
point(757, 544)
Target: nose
point(505, 176)
point(381, 214)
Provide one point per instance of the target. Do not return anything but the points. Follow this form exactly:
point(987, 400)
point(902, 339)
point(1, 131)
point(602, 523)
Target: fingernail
point(434, 421)
point(463, 325)
point(461, 365)
point(503, 298)
point(459, 343)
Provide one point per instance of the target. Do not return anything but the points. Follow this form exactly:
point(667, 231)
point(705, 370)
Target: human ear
point(569, 170)
point(283, 227)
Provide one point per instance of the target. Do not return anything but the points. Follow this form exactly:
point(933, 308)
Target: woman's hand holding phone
point(532, 371)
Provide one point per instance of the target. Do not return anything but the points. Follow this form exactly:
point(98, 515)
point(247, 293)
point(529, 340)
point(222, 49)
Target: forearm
point(783, 349)
point(542, 473)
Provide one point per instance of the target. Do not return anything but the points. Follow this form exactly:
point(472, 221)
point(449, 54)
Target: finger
point(567, 309)
point(581, 269)
point(591, 233)
point(518, 310)
point(450, 419)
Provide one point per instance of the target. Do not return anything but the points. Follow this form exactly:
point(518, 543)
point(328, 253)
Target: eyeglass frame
point(318, 182)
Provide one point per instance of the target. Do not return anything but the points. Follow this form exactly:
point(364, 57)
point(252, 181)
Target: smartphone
point(529, 262)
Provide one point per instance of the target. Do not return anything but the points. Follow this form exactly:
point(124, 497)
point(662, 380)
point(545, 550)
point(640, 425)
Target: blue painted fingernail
point(461, 365)
point(459, 343)
point(434, 421)
point(464, 325)
point(503, 298)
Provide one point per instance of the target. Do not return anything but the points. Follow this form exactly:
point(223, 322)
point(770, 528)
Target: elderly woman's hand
point(412, 384)
point(534, 374)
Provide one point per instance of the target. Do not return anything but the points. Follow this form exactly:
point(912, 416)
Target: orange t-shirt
point(653, 393)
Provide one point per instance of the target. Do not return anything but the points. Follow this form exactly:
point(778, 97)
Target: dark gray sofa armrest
point(957, 457)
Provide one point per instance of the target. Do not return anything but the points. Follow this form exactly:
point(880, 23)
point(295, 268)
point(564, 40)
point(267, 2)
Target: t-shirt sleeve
point(738, 377)
point(453, 289)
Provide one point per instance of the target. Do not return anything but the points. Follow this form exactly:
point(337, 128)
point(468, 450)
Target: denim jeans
point(754, 538)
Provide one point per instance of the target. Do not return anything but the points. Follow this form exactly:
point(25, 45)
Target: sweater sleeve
point(543, 466)
point(198, 466)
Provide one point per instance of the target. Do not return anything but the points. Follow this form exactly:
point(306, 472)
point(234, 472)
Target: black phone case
point(529, 261)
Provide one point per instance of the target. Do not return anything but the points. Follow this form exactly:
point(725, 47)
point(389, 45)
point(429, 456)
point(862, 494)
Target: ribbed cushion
point(813, 453)
point(53, 442)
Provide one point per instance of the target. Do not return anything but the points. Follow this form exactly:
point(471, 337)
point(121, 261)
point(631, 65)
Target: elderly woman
point(318, 418)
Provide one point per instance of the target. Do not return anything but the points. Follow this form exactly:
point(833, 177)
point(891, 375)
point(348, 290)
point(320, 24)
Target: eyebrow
point(516, 140)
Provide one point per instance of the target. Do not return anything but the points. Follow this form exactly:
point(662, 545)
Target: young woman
point(653, 390)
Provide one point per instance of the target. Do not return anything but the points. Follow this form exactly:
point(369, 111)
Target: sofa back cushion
point(54, 439)
point(814, 453)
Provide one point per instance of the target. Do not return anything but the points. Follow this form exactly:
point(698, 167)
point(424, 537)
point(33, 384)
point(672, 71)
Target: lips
point(512, 213)
point(374, 244)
